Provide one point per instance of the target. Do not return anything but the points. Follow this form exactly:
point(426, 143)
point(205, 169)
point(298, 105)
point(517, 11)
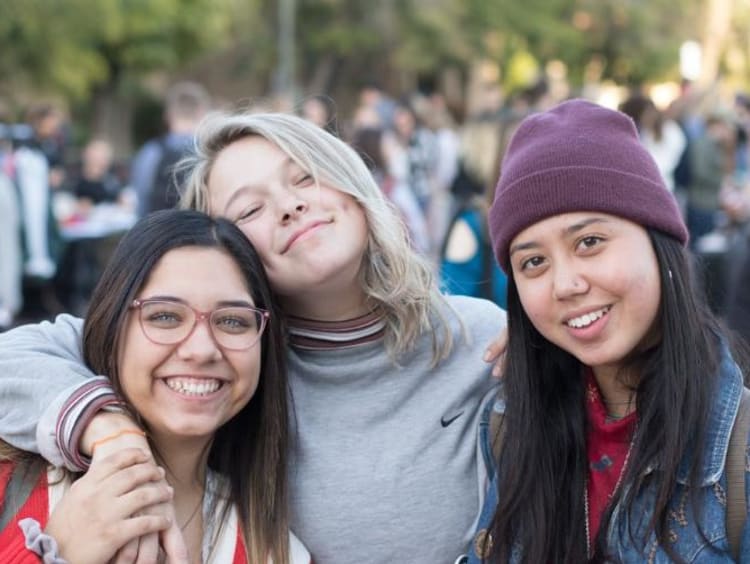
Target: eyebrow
point(284, 165)
point(570, 230)
point(222, 303)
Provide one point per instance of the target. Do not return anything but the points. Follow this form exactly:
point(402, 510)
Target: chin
point(600, 358)
point(191, 432)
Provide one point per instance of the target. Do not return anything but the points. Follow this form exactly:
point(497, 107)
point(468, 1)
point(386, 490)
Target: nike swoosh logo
point(445, 422)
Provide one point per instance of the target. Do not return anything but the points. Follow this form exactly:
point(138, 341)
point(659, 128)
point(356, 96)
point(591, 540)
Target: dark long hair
point(250, 450)
point(543, 467)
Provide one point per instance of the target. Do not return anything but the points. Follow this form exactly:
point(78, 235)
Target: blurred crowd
point(63, 207)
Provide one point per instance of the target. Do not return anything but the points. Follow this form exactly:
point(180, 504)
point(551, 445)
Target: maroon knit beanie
point(578, 157)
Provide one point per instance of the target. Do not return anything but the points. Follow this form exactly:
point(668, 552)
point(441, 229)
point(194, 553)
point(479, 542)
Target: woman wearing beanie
point(624, 410)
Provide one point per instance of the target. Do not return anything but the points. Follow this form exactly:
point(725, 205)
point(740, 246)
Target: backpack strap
point(496, 433)
point(735, 469)
point(17, 491)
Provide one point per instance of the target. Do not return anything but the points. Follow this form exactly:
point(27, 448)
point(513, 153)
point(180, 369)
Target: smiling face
point(589, 283)
point(311, 237)
point(190, 389)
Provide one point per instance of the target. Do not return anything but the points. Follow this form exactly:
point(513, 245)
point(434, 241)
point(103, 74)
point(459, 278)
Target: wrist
point(112, 432)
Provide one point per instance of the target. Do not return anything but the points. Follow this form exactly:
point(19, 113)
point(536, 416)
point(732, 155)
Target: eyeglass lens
point(170, 322)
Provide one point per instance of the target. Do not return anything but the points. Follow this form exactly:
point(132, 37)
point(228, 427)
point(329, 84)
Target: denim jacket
point(682, 529)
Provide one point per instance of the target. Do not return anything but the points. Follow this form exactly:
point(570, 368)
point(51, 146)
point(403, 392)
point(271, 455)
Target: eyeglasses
point(234, 328)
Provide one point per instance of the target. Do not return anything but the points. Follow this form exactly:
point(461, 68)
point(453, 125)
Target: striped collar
point(312, 334)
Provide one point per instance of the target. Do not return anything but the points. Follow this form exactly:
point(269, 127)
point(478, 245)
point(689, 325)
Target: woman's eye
point(234, 324)
point(303, 180)
point(164, 318)
point(589, 242)
point(531, 263)
point(247, 214)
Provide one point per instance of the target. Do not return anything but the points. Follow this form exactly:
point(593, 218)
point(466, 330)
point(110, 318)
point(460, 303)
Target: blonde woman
point(386, 374)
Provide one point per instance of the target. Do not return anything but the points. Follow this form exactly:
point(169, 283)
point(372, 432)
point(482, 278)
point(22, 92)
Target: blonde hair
point(395, 279)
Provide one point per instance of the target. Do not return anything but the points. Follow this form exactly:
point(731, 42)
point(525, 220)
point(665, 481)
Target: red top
point(12, 542)
point(607, 445)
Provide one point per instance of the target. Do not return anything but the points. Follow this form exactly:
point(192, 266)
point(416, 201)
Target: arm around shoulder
point(41, 369)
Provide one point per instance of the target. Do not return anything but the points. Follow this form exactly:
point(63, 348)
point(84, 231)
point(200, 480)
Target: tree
point(94, 50)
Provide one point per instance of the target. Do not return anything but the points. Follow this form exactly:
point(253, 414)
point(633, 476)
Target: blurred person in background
point(738, 312)
point(742, 155)
point(51, 138)
point(386, 162)
point(10, 238)
point(32, 174)
point(320, 110)
point(375, 107)
point(711, 163)
point(97, 182)
point(467, 265)
point(737, 204)
point(439, 120)
point(95, 198)
point(153, 173)
point(418, 153)
point(662, 137)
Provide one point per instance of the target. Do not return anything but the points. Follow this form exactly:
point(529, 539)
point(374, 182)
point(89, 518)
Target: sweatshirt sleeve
point(45, 389)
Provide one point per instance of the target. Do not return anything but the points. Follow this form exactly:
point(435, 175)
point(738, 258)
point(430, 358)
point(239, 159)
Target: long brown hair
point(250, 450)
point(543, 469)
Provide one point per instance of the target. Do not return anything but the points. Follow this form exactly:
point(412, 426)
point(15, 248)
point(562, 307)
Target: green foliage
point(634, 40)
point(76, 46)
point(71, 46)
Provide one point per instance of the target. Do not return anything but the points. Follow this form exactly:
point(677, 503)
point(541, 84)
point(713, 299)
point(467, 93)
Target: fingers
point(496, 353)
point(146, 496)
point(174, 545)
point(139, 536)
point(148, 549)
point(499, 368)
point(104, 467)
point(129, 479)
point(127, 554)
point(496, 347)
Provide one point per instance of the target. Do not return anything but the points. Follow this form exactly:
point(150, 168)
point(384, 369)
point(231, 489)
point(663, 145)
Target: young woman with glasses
point(386, 374)
point(198, 361)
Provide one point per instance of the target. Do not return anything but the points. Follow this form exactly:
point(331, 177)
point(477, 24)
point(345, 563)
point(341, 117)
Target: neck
point(328, 306)
point(185, 464)
point(618, 398)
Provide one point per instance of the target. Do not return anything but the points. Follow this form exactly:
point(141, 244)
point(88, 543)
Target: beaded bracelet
point(40, 542)
point(114, 436)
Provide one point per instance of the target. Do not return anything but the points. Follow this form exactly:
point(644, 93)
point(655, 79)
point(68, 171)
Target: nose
point(291, 206)
point(200, 345)
point(568, 281)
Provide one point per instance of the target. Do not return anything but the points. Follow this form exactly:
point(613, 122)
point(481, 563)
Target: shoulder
point(477, 311)
point(474, 324)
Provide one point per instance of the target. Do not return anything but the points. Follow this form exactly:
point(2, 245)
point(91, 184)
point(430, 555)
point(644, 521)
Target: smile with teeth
point(193, 386)
point(587, 318)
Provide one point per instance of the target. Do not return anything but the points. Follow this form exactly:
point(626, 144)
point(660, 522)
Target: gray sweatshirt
point(385, 466)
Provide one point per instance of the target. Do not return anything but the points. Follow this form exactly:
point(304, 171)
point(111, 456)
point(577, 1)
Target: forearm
point(41, 371)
